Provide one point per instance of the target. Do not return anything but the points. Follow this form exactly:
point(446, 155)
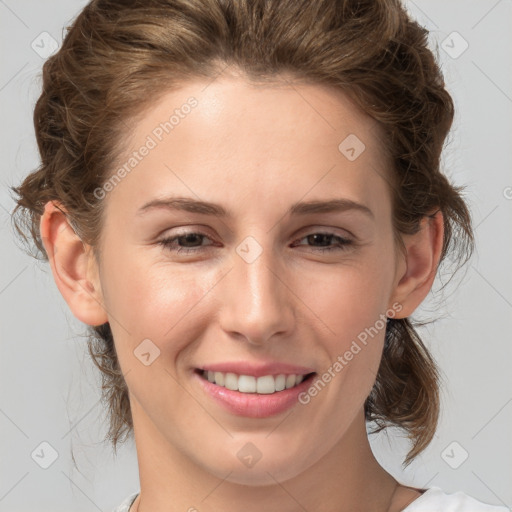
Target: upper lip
point(257, 370)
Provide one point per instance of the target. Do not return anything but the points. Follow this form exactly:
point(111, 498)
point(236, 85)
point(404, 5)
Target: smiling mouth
point(265, 385)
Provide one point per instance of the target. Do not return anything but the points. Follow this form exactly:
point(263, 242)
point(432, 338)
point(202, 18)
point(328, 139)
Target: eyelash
point(168, 243)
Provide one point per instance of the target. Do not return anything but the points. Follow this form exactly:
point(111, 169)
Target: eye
point(325, 241)
point(185, 242)
point(191, 242)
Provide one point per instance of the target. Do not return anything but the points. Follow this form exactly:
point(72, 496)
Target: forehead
point(229, 137)
point(243, 109)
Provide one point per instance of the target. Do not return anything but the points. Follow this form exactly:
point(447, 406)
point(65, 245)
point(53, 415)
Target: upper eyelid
point(313, 228)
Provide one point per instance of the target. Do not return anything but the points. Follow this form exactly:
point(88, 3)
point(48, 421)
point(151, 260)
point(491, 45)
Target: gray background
point(49, 389)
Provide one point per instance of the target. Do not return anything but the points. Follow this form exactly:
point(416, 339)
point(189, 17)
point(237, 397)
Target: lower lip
point(253, 405)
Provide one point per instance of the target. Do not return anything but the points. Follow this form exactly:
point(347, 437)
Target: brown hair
point(119, 56)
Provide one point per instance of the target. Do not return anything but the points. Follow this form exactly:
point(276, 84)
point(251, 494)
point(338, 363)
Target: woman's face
point(270, 271)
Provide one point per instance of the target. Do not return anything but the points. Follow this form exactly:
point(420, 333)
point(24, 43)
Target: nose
point(257, 304)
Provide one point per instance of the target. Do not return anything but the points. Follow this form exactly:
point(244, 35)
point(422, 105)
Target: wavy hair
point(119, 56)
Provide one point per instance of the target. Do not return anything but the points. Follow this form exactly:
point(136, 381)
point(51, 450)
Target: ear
point(418, 269)
point(73, 266)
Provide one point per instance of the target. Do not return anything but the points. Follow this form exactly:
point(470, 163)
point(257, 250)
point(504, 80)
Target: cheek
point(352, 304)
point(156, 301)
point(348, 300)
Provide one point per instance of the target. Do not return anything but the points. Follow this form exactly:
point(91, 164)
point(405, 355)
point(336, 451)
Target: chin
point(261, 475)
point(247, 465)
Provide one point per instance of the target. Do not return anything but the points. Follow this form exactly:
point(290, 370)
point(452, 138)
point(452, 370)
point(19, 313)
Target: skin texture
point(255, 150)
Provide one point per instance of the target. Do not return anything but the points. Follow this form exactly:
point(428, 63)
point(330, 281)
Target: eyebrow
point(299, 208)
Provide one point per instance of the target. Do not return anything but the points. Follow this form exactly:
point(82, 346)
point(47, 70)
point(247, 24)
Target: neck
point(347, 478)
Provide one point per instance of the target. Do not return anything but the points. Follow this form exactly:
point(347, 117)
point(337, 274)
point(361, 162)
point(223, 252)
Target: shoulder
point(435, 500)
point(126, 504)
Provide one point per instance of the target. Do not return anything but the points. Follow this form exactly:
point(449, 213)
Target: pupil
point(189, 239)
point(318, 237)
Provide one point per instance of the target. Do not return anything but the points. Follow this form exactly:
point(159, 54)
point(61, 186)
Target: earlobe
point(73, 266)
point(423, 252)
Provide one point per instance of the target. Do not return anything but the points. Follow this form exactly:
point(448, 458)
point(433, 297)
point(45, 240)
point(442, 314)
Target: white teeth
point(290, 381)
point(265, 385)
point(219, 378)
point(247, 384)
point(280, 382)
point(230, 381)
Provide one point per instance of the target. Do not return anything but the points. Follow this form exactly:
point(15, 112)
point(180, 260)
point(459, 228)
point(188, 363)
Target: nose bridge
point(257, 304)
